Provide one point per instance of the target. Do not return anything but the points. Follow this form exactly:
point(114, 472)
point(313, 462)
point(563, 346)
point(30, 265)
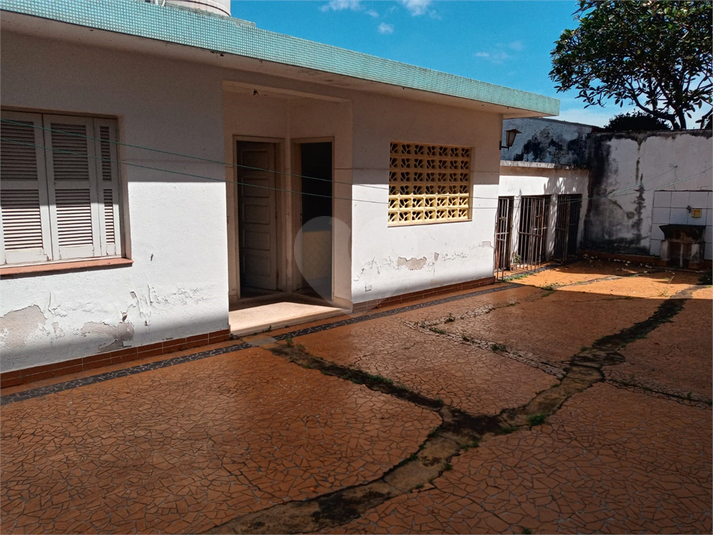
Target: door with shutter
point(24, 221)
point(73, 187)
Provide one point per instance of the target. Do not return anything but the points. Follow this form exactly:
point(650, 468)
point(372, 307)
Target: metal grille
point(566, 226)
point(532, 235)
point(503, 236)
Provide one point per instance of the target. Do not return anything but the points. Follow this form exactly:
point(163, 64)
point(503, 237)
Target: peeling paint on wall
point(123, 332)
point(412, 264)
point(17, 326)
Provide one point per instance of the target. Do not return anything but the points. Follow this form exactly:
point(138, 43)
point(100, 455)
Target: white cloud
point(340, 5)
point(516, 45)
point(372, 13)
point(386, 28)
point(416, 7)
point(499, 53)
point(496, 57)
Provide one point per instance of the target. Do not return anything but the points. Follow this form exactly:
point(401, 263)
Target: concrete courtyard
point(574, 400)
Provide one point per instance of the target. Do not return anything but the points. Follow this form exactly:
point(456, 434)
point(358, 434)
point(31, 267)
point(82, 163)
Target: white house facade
point(161, 164)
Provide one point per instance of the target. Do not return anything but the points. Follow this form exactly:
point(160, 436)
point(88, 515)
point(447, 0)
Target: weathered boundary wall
point(639, 181)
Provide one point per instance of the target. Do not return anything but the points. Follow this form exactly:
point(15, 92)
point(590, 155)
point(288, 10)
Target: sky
point(501, 42)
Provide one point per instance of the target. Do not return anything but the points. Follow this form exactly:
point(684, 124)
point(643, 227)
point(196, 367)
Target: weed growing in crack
point(689, 396)
point(419, 486)
point(437, 331)
point(433, 433)
point(440, 402)
point(583, 348)
point(516, 277)
point(380, 379)
point(706, 279)
point(498, 347)
point(465, 337)
point(506, 429)
point(450, 318)
point(290, 342)
point(536, 419)
point(526, 531)
point(447, 467)
point(465, 446)
point(551, 287)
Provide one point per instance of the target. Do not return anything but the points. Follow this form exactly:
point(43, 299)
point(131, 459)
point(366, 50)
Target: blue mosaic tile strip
point(232, 36)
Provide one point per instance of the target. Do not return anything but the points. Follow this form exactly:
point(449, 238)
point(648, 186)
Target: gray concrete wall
point(639, 181)
point(548, 141)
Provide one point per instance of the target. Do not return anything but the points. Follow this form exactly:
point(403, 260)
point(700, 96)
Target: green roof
point(232, 36)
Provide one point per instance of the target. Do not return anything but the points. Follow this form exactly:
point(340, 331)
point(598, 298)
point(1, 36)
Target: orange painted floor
point(188, 447)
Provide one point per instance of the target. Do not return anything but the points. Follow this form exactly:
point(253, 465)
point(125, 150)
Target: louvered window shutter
point(75, 206)
point(108, 183)
point(25, 218)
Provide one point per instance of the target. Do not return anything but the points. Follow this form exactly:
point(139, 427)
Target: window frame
point(101, 179)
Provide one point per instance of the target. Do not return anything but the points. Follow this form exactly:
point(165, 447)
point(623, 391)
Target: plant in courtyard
point(498, 347)
point(657, 56)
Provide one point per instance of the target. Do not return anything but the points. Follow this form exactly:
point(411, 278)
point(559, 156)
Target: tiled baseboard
point(422, 294)
point(37, 373)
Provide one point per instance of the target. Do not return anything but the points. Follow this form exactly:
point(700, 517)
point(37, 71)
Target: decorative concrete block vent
point(428, 183)
point(683, 245)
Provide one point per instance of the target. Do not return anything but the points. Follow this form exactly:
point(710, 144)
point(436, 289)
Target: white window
point(428, 183)
point(59, 188)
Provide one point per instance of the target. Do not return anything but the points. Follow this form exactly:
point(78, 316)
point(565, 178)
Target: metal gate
point(532, 235)
point(503, 238)
point(567, 226)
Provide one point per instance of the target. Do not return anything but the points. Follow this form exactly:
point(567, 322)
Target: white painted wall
point(176, 224)
point(519, 179)
point(629, 173)
point(390, 261)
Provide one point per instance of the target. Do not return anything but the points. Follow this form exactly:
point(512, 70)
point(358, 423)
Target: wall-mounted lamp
point(510, 138)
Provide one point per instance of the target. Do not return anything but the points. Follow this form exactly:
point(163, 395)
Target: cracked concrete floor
point(201, 445)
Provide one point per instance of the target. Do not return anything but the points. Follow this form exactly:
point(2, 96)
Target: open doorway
point(314, 248)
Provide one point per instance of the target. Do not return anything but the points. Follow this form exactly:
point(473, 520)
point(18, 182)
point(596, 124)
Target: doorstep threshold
point(273, 316)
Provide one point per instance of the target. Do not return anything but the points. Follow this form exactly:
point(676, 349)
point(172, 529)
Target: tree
point(654, 54)
point(635, 122)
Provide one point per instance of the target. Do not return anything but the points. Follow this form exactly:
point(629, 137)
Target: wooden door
point(257, 215)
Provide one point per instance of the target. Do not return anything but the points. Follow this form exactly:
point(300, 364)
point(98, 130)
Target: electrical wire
point(614, 193)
